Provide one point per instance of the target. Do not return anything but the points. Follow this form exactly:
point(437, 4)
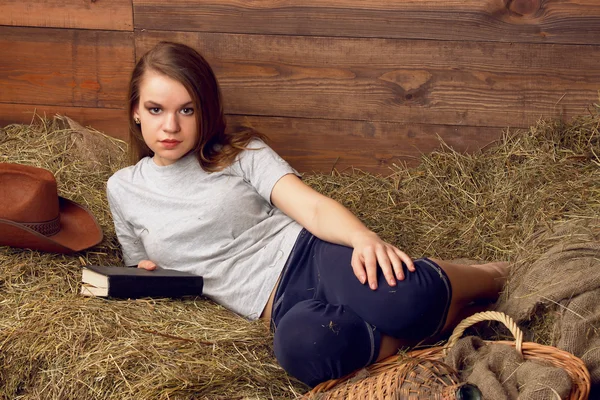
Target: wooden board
point(82, 14)
point(313, 145)
point(309, 145)
point(542, 21)
point(111, 121)
point(411, 81)
point(65, 67)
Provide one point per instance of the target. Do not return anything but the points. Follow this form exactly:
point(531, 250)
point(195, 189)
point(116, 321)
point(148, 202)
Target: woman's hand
point(330, 221)
point(370, 251)
point(147, 264)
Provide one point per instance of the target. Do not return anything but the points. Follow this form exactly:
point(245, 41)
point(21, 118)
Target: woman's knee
point(300, 351)
point(315, 342)
point(415, 308)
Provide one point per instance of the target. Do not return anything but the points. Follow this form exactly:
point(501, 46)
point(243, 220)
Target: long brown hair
point(216, 148)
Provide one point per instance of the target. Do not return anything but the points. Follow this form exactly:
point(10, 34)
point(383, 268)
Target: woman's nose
point(171, 123)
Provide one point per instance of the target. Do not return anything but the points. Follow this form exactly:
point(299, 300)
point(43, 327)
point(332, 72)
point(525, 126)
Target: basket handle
point(486, 316)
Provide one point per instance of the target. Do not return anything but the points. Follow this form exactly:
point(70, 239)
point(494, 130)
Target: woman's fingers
point(358, 268)
point(147, 265)
point(371, 267)
point(386, 263)
point(396, 263)
point(365, 268)
point(370, 261)
point(367, 260)
point(405, 259)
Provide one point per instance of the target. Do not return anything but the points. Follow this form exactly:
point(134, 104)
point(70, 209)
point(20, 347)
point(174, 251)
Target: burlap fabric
point(501, 373)
point(555, 277)
point(558, 274)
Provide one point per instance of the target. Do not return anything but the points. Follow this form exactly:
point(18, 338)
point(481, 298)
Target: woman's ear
point(135, 113)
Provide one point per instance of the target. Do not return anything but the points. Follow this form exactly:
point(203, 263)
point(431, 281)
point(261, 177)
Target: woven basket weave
point(421, 374)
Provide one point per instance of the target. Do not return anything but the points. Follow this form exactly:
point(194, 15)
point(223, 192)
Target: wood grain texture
point(411, 81)
point(309, 145)
point(313, 145)
point(65, 67)
point(538, 21)
point(81, 14)
point(111, 121)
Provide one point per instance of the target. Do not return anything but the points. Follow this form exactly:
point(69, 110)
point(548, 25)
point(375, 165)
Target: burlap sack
point(558, 274)
point(577, 331)
point(500, 372)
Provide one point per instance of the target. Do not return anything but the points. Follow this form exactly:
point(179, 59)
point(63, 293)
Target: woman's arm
point(330, 221)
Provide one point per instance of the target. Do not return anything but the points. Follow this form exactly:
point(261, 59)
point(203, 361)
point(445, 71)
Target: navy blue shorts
point(327, 324)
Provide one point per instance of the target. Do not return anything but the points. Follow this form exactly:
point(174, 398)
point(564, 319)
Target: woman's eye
point(154, 110)
point(187, 111)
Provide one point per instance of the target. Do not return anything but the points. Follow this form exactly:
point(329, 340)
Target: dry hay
point(55, 343)
point(480, 205)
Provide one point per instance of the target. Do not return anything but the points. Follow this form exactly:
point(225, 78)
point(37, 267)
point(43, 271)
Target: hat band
point(47, 228)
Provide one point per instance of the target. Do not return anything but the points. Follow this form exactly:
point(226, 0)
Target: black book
point(128, 282)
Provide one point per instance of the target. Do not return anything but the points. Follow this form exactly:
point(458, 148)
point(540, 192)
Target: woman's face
point(167, 117)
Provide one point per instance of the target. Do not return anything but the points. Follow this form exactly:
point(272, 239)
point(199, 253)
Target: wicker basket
point(408, 378)
point(421, 374)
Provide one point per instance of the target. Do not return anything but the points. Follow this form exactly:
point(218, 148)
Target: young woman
point(227, 207)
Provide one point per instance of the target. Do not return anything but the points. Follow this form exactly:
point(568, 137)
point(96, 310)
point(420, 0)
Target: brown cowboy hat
point(33, 216)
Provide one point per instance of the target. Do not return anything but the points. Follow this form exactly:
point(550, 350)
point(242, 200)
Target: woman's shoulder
point(256, 143)
point(125, 175)
point(254, 147)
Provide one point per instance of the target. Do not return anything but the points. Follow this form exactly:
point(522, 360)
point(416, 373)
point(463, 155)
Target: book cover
point(127, 282)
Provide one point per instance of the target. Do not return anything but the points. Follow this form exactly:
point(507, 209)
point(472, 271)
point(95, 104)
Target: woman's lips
point(169, 144)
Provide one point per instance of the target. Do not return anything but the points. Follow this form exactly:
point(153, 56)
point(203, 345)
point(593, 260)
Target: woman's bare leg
point(472, 283)
point(469, 283)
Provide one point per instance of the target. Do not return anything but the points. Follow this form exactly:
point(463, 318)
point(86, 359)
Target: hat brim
point(79, 230)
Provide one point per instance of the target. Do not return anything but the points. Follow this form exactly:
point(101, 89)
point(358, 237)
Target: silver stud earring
point(137, 120)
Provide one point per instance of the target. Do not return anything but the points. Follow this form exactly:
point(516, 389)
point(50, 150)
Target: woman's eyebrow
point(151, 103)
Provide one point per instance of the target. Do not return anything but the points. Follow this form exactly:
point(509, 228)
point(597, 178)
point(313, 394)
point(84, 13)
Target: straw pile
point(56, 344)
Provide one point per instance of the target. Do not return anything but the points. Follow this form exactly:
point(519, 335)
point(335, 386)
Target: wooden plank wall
point(66, 56)
point(334, 83)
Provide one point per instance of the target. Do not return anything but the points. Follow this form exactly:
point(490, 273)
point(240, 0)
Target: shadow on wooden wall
point(363, 83)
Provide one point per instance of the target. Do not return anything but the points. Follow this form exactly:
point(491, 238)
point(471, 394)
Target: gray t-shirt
point(220, 225)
